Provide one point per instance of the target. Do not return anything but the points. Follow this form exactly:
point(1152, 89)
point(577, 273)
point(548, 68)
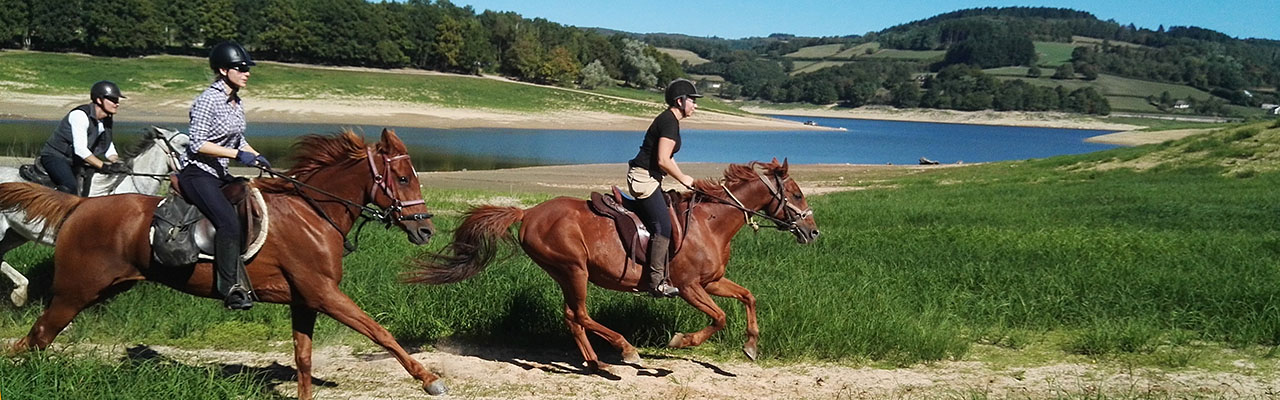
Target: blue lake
point(863, 142)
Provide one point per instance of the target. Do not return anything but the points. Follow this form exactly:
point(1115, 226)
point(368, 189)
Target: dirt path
point(504, 373)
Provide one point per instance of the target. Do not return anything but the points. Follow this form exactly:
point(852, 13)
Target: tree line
point(421, 34)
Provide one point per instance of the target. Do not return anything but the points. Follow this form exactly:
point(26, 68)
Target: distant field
point(907, 54)
point(683, 56)
point(810, 66)
point(1079, 40)
point(1053, 54)
point(822, 51)
point(859, 50)
point(1108, 85)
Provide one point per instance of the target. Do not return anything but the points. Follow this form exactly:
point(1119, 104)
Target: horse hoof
point(632, 357)
point(751, 352)
point(19, 297)
point(436, 388)
point(677, 341)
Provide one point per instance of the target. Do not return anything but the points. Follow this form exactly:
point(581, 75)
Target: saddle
point(631, 230)
point(35, 173)
point(180, 235)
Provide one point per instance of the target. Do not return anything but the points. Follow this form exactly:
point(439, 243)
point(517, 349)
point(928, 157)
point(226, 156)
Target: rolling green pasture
point(859, 50)
point(1053, 54)
point(682, 56)
point(907, 54)
point(184, 77)
point(819, 51)
point(811, 66)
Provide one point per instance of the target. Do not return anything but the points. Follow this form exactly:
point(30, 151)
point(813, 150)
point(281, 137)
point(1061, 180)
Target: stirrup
point(238, 298)
point(664, 290)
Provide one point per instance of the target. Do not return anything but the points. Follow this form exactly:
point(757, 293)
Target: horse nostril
point(815, 233)
point(424, 231)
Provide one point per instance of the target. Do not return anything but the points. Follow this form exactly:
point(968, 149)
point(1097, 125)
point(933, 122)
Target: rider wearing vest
point(644, 179)
point(217, 135)
point(83, 138)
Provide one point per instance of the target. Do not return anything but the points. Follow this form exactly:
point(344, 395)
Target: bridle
point(389, 216)
point(389, 189)
point(792, 213)
point(171, 158)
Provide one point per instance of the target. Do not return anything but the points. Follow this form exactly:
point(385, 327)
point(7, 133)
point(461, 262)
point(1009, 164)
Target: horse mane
point(38, 202)
point(146, 142)
point(733, 174)
point(313, 152)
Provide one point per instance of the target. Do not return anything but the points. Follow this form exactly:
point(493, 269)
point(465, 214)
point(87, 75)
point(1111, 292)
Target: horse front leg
point(304, 323)
point(726, 288)
point(337, 305)
point(698, 297)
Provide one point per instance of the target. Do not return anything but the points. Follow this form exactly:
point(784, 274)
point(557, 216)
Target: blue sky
point(745, 18)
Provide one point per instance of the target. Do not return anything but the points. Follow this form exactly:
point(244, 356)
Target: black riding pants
point(205, 192)
point(656, 216)
point(59, 169)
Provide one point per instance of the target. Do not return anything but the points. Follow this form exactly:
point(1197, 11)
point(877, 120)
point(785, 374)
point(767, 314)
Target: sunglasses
point(241, 68)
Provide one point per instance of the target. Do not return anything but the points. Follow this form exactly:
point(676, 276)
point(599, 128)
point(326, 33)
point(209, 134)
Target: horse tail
point(474, 244)
point(38, 202)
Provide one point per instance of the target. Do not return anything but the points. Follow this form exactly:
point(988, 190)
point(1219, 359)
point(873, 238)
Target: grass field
point(172, 76)
point(811, 66)
point(916, 55)
point(1053, 54)
point(683, 56)
point(820, 51)
point(1079, 253)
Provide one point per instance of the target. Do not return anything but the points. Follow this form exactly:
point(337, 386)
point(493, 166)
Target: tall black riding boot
point(228, 273)
point(658, 258)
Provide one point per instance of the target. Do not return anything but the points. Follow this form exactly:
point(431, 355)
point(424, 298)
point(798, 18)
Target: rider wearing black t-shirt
point(647, 170)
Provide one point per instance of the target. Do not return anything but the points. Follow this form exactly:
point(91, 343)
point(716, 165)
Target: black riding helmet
point(680, 88)
point(107, 90)
point(227, 55)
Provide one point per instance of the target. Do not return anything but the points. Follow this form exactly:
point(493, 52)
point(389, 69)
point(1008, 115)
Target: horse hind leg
point(579, 321)
point(20, 284)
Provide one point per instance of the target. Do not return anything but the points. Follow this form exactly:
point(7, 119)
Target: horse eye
point(404, 179)
point(797, 196)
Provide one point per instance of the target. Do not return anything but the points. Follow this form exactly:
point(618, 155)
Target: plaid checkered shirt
point(219, 119)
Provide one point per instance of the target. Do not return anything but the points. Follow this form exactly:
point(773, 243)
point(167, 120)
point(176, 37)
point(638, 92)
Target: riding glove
point(246, 158)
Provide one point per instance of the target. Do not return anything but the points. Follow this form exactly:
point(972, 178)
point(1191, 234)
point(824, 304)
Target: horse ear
point(784, 165)
point(391, 142)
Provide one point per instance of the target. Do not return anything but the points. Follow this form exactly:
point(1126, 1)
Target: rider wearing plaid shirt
point(217, 134)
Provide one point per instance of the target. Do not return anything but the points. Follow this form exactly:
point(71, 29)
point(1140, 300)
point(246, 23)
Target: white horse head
point(151, 161)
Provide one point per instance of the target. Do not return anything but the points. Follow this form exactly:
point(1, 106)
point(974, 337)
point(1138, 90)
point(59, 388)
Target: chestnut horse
point(575, 245)
point(104, 245)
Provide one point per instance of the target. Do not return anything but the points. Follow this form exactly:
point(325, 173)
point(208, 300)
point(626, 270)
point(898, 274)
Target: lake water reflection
point(863, 142)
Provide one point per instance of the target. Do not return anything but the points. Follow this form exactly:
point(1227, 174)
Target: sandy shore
point(987, 117)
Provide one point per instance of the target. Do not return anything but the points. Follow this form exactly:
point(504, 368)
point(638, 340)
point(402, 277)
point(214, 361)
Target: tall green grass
point(51, 375)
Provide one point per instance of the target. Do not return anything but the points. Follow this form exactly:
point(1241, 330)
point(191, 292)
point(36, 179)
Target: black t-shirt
point(664, 126)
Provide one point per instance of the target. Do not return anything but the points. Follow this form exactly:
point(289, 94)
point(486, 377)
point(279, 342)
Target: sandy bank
point(987, 117)
point(1137, 138)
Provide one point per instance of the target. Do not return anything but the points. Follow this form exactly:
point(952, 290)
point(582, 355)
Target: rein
point(794, 213)
point(389, 216)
